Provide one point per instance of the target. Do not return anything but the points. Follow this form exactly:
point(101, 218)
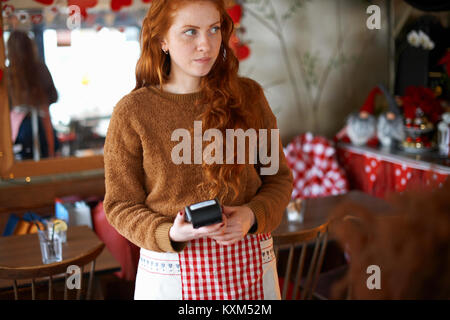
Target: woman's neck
point(189, 85)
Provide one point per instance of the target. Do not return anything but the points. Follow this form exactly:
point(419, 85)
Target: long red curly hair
point(224, 93)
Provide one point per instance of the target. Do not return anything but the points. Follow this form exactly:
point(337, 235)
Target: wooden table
point(318, 210)
point(24, 251)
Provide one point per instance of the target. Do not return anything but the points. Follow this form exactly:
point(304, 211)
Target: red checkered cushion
point(315, 168)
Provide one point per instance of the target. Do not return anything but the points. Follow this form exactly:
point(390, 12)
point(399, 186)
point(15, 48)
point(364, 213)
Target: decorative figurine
point(390, 128)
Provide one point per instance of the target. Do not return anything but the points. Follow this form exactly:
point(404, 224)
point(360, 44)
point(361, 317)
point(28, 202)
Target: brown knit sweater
point(145, 189)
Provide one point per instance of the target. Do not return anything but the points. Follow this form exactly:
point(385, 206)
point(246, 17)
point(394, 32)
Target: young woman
point(188, 73)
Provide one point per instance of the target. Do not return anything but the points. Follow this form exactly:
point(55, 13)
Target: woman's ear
point(164, 45)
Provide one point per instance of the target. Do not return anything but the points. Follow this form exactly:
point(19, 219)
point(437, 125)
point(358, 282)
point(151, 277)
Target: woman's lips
point(204, 60)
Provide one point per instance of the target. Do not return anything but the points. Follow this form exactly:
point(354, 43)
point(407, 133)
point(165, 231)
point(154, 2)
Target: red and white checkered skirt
point(205, 270)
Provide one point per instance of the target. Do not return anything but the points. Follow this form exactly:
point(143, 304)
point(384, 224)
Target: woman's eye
point(193, 30)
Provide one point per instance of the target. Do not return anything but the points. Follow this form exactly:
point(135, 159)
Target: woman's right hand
point(184, 231)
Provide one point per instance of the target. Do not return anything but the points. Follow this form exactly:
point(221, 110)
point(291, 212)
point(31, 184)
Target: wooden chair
point(53, 271)
point(317, 236)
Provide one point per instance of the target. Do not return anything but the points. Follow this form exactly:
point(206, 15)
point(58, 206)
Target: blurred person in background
point(30, 86)
point(411, 246)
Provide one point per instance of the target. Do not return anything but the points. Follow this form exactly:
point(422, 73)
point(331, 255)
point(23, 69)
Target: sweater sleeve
point(274, 194)
point(125, 195)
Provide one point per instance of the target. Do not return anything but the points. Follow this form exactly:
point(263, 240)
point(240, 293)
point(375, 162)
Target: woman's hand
point(184, 231)
point(239, 220)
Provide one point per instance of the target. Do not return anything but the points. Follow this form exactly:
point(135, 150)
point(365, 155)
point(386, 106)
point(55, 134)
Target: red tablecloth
point(379, 173)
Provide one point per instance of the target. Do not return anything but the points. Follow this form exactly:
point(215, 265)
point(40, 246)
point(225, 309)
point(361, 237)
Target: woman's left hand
point(240, 220)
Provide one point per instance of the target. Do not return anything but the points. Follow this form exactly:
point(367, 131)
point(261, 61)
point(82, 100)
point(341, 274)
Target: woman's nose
point(204, 43)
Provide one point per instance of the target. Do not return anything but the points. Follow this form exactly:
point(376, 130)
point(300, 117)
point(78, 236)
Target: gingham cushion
point(314, 167)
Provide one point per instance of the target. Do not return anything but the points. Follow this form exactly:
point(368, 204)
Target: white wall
point(316, 28)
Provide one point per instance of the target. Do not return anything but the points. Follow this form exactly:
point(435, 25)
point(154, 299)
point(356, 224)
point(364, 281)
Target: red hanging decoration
point(8, 10)
point(235, 13)
point(116, 5)
point(90, 20)
point(241, 50)
point(45, 2)
point(36, 18)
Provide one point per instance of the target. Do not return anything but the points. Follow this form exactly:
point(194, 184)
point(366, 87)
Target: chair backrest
point(124, 251)
point(53, 271)
point(292, 241)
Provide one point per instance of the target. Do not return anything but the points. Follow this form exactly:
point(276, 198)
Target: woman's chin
point(201, 73)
